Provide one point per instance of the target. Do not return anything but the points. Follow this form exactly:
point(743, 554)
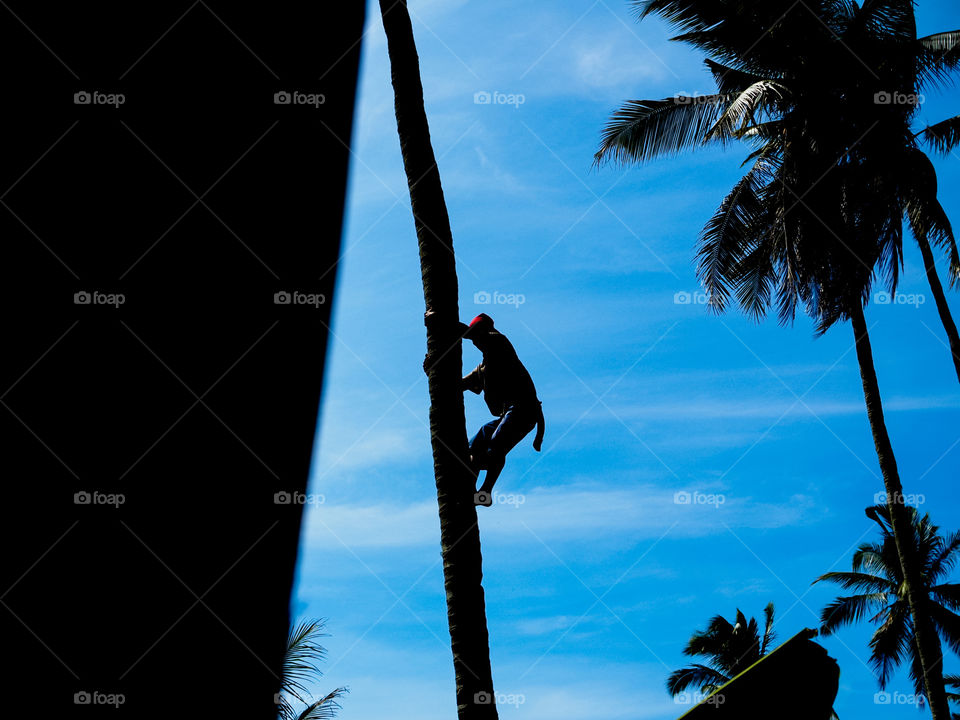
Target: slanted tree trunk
point(928, 645)
point(459, 534)
point(937, 289)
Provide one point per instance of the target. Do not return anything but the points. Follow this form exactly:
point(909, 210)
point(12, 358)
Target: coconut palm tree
point(818, 216)
point(299, 668)
point(455, 481)
point(729, 649)
point(877, 580)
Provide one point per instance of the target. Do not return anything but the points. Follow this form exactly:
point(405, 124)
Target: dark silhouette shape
point(510, 396)
point(796, 681)
point(459, 534)
point(729, 648)
point(155, 450)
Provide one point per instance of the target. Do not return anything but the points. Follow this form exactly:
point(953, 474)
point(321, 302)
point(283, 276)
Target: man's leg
point(494, 466)
point(479, 447)
point(510, 430)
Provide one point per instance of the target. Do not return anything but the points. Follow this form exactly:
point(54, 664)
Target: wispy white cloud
point(558, 514)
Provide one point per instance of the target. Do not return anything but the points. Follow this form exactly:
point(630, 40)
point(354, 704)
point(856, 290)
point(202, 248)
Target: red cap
point(481, 323)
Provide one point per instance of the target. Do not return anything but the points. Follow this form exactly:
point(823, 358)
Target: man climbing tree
point(510, 395)
point(459, 534)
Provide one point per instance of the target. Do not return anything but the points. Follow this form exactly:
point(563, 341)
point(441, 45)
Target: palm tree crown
point(877, 579)
point(823, 92)
point(728, 648)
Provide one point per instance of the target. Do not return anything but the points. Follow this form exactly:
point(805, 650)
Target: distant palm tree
point(300, 668)
point(728, 648)
point(833, 172)
point(878, 581)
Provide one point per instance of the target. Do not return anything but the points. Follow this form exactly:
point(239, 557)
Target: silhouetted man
point(510, 395)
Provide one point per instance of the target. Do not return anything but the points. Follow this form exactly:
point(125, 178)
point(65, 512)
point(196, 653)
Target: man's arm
point(473, 382)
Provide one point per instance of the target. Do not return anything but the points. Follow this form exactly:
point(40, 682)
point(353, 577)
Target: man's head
point(478, 329)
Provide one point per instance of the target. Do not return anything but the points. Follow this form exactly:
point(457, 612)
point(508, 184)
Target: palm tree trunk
point(937, 289)
point(928, 647)
point(459, 534)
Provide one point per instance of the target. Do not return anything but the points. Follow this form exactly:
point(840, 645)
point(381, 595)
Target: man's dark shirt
point(501, 377)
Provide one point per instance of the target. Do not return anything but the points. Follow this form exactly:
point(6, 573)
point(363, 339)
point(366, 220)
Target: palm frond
point(947, 594)
point(859, 581)
point(947, 624)
point(946, 556)
point(848, 610)
point(744, 111)
point(727, 234)
point(768, 634)
point(943, 136)
point(731, 80)
point(892, 642)
point(325, 708)
point(645, 129)
point(698, 676)
point(682, 14)
point(302, 656)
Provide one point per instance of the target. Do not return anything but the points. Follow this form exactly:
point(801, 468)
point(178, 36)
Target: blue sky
point(595, 575)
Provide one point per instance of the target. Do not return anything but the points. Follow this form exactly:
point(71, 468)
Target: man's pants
point(498, 437)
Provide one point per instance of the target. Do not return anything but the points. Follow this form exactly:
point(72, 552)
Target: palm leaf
point(324, 708)
point(860, 581)
point(726, 235)
point(847, 610)
point(943, 136)
point(645, 129)
point(947, 624)
point(947, 594)
point(892, 642)
point(768, 634)
point(742, 113)
point(698, 676)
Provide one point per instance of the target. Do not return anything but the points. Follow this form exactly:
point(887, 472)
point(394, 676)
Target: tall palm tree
point(820, 211)
point(455, 481)
point(877, 580)
point(299, 668)
point(729, 649)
